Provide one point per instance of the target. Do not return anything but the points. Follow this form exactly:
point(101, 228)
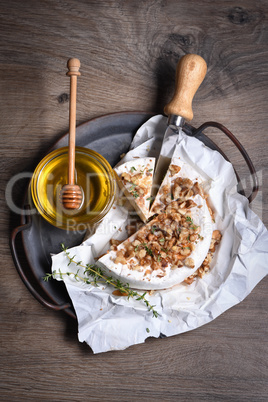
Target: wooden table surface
point(128, 51)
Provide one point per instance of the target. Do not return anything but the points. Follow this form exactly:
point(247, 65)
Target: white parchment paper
point(108, 322)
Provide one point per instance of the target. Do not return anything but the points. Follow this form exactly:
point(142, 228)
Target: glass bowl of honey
point(93, 174)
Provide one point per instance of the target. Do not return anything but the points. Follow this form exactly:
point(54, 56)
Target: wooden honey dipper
point(71, 193)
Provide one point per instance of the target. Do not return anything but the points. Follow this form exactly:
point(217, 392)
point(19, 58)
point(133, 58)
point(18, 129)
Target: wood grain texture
point(128, 52)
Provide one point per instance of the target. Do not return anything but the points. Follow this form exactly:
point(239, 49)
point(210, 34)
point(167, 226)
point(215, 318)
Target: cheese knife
point(190, 73)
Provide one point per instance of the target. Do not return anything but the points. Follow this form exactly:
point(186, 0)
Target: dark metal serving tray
point(110, 135)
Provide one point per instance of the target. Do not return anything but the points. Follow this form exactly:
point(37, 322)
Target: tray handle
point(38, 297)
point(241, 149)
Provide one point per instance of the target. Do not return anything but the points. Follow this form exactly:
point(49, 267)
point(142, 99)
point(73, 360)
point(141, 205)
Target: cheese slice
point(180, 182)
point(165, 251)
point(135, 179)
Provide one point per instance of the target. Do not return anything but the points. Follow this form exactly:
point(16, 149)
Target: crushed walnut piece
point(174, 169)
point(114, 244)
point(205, 267)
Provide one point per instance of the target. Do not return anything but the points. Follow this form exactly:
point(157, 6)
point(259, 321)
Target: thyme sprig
point(94, 275)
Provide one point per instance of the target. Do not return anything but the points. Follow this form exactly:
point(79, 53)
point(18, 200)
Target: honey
point(93, 174)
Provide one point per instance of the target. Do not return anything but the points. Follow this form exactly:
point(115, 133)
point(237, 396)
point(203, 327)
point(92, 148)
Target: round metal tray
point(110, 135)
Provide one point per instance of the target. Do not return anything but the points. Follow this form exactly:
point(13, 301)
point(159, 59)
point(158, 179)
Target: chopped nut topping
point(216, 238)
point(120, 257)
point(115, 242)
point(205, 267)
point(168, 240)
point(197, 189)
point(189, 262)
point(126, 176)
point(181, 190)
point(174, 169)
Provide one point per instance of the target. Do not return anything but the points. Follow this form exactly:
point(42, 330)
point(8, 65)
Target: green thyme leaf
point(132, 188)
point(135, 194)
point(165, 250)
point(149, 251)
point(94, 275)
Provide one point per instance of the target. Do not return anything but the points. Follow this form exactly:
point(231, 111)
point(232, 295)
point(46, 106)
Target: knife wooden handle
point(190, 73)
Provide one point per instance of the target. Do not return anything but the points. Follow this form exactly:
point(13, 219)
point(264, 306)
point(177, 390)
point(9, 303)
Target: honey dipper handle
point(73, 66)
point(190, 73)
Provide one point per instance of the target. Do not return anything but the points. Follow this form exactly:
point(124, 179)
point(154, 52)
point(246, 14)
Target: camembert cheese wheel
point(174, 244)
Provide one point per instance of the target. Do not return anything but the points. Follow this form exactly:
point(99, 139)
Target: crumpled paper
point(108, 322)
